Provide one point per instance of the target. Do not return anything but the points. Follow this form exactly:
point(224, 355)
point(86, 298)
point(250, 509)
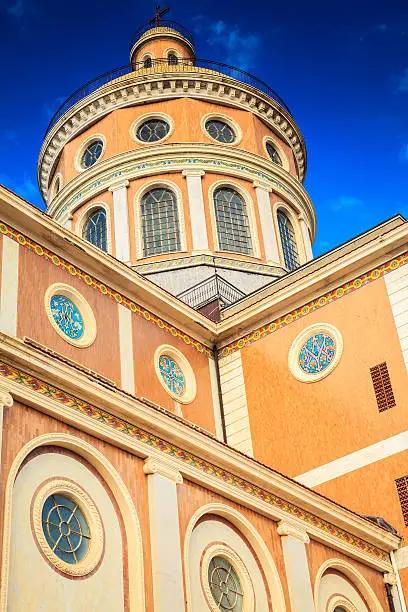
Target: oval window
point(220, 131)
point(153, 130)
point(92, 153)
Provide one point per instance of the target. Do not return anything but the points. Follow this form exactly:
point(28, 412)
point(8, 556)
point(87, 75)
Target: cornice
point(54, 388)
point(181, 157)
point(183, 81)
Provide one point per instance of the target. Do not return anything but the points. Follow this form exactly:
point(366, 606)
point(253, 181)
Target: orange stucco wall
point(297, 426)
point(158, 48)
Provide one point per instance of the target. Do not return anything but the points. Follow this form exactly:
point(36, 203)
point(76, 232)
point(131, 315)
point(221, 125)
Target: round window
point(65, 528)
point(225, 586)
point(175, 374)
point(70, 314)
point(315, 352)
point(92, 153)
point(220, 131)
point(153, 130)
point(273, 154)
point(67, 316)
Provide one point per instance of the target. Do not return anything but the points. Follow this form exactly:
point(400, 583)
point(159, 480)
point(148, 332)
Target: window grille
point(231, 216)
point(402, 490)
point(288, 241)
point(95, 229)
point(160, 222)
point(219, 130)
point(153, 130)
point(172, 59)
point(382, 387)
point(92, 153)
point(273, 154)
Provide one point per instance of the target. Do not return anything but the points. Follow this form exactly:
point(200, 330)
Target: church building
point(196, 415)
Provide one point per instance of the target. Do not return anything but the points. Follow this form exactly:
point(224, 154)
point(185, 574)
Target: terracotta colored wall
point(21, 424)
point(192, 497)
point(35, 276)
point(298, 426)
point(157, 48)
point(319, 553)
point(146, 339)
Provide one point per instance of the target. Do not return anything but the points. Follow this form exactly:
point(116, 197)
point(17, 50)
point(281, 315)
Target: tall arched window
point(172, 59)
point(232, 221)
point(95, 229)
point(288, 241)
point(160, 222)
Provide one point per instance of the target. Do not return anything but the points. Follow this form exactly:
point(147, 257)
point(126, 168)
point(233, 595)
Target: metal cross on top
point(157, 19)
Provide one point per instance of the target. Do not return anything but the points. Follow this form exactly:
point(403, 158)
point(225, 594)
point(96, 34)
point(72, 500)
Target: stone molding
point(136, 88)
point(6, 399)
point(154, 465)
point(294, 530)
point(261, 185)
point(390, 578)
point(192, 172)
point(119, 185)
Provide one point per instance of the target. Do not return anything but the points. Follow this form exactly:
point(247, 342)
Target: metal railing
point(209, 290)
point(163, 65)
point(164, 23)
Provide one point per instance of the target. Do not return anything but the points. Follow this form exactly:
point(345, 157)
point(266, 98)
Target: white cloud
point(24, 187)
point(344, 202)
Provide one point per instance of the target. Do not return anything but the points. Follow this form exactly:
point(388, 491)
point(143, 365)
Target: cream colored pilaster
point(294, 540)
point(391, 579)
point(9, 286)
point(121, 220)
point(6, 401)
point(396, 283)
point(168, 590)
point(68, 223)
point(197, 213)
point(268, 227)
point(215, 399)
point(127, 370)
point(306, 238)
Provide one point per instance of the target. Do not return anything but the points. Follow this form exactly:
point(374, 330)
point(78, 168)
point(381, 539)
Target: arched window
point(273, 154)
point(160, 222)
point(172, 59)
point(95, 229)
point(148, 62)
point(232, 221)
point(288, 241)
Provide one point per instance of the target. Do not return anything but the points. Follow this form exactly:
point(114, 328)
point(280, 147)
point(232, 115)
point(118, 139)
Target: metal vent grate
point(402, 490)
point(382, 387)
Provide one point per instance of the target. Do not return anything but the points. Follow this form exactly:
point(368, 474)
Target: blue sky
point(342, 68)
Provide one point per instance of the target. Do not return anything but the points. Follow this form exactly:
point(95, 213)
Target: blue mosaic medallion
point(67, 316)
point(172, 375)
point(317, 353)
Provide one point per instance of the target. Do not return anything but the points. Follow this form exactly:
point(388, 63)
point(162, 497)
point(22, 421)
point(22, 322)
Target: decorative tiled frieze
point(317, 304)
point(119, 298)
point(237, 427)
point(397, 289)
point(8, 372)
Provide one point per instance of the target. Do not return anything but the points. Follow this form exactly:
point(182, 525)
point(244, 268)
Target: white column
point(294, 540)
point(193, 177)
point(268, 227)
point(306, 238)
point(127, 370)
point(168, 590)
point(121, 220)
point(9, 286)
point(6, 401)
point(391, 579)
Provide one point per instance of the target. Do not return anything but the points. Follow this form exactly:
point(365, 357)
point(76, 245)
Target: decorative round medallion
point(224, 584)
point(70, 314)
point(67, 527)
point(67, 316)
point(175, 373)
point(315, 352)
point(153, 130)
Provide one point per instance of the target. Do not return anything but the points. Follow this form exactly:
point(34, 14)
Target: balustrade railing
point(211, 289)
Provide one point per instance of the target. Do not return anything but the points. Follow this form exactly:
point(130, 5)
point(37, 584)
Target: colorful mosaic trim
point(314, 305)
point(134, 168)
point(197, 260)
point(122, 426)
point(61, 263)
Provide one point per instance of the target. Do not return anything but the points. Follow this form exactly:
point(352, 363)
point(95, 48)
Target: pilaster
point(6, 401)
point(121, 220)
point(270, 241)
point(9, 286)
point(168, 589)
point(127, 370)
point(193, 177)
point(391, 580)
point(294, 540)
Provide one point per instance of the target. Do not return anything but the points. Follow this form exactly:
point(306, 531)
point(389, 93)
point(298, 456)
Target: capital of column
point(192, 172)
point(119, 185)
point(6, 400)
point(261, 185)
point(295, 530)
point(153, 465)
point(390, 578)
